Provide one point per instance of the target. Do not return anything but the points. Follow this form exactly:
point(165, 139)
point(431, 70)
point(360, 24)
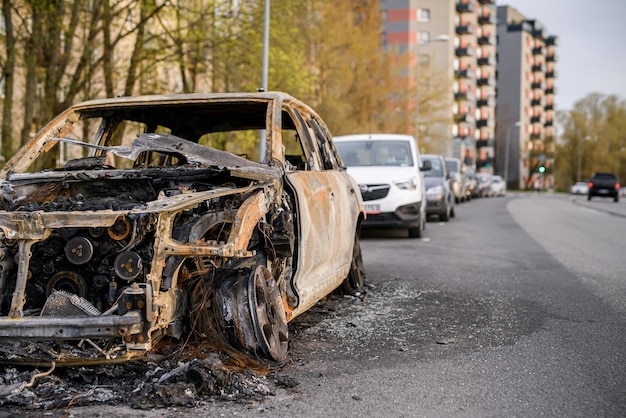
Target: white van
point(388, 169)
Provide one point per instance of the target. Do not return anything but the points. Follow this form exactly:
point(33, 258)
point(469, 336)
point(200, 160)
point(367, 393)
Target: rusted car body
point(125, 220)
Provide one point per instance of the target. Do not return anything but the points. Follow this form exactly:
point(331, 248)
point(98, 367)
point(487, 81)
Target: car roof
point(186, 98)
point(373, 137)
point(432, 156)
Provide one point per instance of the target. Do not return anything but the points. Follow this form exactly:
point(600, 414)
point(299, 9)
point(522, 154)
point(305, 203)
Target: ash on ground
point(141, 385)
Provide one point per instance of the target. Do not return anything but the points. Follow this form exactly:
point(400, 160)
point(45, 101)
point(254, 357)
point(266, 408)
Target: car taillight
point(617, 185)
point(590, 184)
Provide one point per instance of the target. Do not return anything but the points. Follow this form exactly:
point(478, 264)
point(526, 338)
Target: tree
point(593, 139)
point(8, 76)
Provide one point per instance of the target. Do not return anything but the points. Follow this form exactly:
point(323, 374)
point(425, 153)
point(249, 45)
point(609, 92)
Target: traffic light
point(542, 169)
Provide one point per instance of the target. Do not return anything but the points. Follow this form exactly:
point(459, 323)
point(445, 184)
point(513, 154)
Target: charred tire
point(251, 315)
point(268, 314)
point(355, 282)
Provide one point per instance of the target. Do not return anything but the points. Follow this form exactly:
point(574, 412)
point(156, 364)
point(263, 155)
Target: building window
point(423, 15)
point(423, 37)
point(423, 60)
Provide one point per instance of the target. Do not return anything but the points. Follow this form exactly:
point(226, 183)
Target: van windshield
point(375, 153)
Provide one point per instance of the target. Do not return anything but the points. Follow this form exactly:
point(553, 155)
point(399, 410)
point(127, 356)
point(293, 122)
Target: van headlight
point(408, 184)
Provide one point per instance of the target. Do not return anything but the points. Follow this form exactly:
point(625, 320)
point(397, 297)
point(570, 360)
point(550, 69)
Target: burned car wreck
point(130, 219)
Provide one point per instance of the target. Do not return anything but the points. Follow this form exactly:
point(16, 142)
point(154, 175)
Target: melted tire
point(355, 282)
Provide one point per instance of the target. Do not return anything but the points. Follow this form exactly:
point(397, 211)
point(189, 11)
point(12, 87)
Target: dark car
point(439, 195)
point(131, 219)
point(603, 185)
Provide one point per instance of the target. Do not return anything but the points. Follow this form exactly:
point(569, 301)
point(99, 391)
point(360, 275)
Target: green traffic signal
point(542, 169)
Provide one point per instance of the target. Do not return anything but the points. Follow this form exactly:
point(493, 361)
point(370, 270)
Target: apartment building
point(459, 37)
point(499, 76)
point(525, 100)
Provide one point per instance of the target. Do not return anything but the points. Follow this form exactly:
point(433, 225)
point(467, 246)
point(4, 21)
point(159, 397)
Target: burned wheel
point(354, 283)
point(251, 314)
point(268, 314)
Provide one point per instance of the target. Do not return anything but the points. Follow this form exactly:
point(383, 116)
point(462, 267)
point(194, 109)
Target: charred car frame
point(129, 219)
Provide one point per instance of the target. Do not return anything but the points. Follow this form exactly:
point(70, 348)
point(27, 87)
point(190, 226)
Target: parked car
point(498, 186)
point(457, 178)
point(603, 185)
point(484, 184)
point(471, 185)
point(580, 187)
point(124, 219)
point(439, 195)
point(388, 169)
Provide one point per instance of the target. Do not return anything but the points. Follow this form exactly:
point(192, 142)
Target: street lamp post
point(264, 71)
point(506, 152)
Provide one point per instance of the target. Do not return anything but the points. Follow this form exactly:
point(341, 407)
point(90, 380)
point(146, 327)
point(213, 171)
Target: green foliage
point(327, 53)
point(593, 139)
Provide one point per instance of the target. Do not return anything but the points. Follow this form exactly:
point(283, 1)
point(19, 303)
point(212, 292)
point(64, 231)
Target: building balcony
point(549, 106)
point(551, 90)
point(537, 68)
point(535, 119)
point(463, 95)
point(466, 51)
point(535, 135)
point(487, 19)
point(551, 57)
point(486, 81)
point(487, 1)
point(465, 7)
point(488, 60)
point(486, 102)
point(483, 123)
point(484, 162)
point(535, 102)
point(549, 122)
point(467, 29)
point(464, 118)
point(466, 73)
point(536, 85)
point(487, 40)
point(550, 74)
point(552, 40)
point(538, 50)
point(485, 143)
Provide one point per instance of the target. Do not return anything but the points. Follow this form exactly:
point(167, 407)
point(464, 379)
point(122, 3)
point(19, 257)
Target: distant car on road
point(580, 187)
point(471, 185)
point(387, 168)
point(484, 184)
point(498, 186)
point(439, 195)
point(455, 167)
point(604, 185)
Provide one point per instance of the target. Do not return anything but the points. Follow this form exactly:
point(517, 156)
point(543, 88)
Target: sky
point(591, 55)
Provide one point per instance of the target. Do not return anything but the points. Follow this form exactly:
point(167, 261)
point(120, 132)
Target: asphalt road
point(515, 308)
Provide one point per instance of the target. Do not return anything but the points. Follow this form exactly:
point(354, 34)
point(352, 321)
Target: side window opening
point(294, 154)
point(327, 153)
point(300, 153)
